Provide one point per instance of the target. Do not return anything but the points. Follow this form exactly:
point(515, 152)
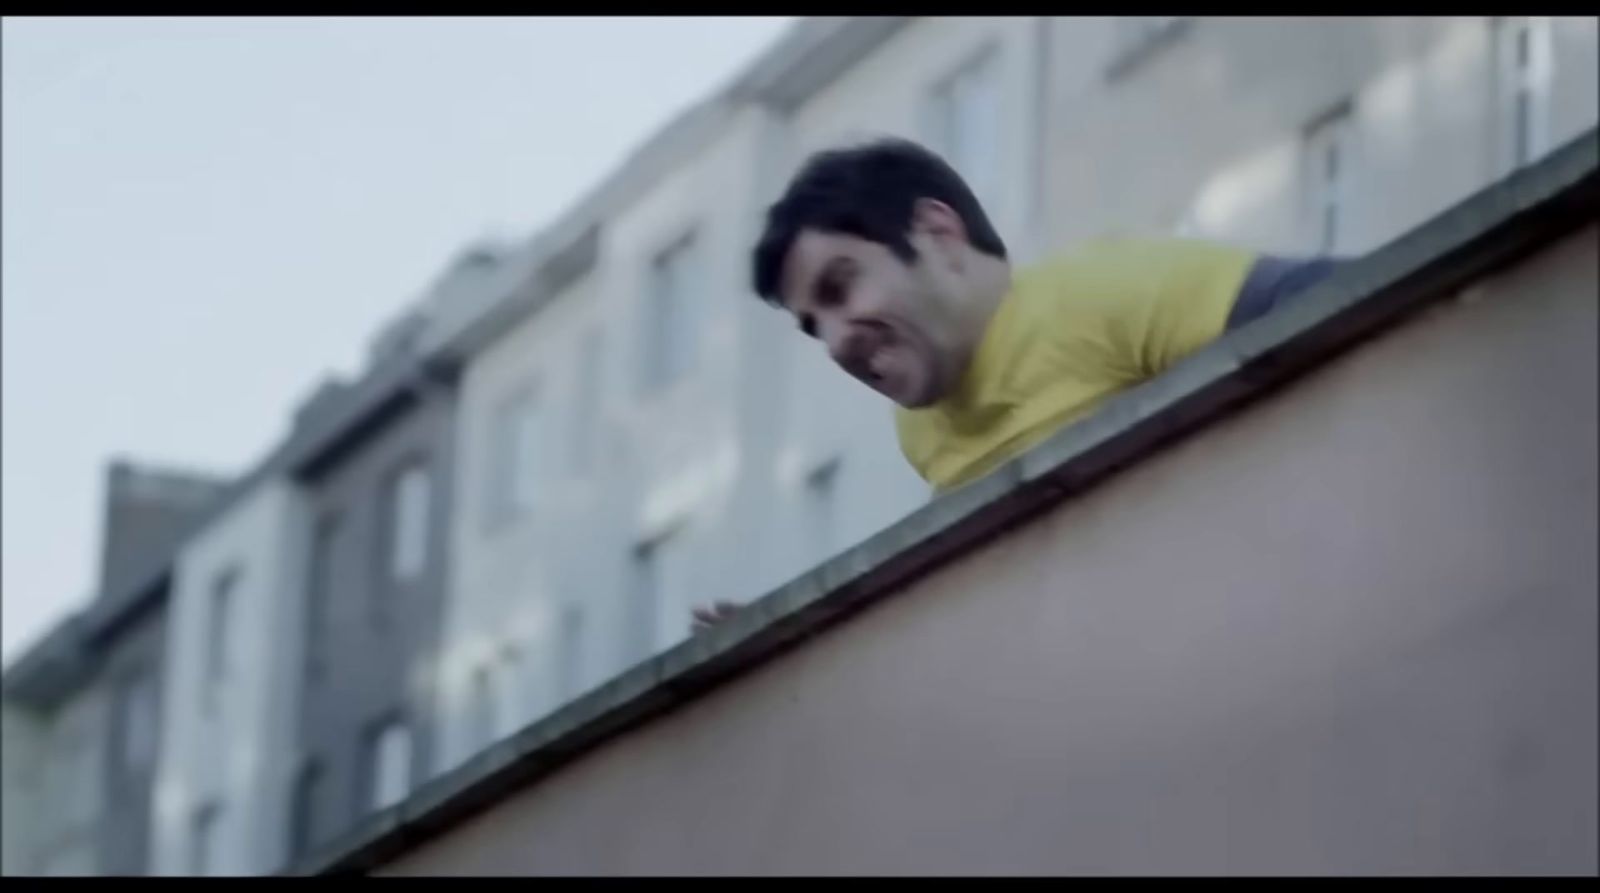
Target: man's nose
point(847, 344)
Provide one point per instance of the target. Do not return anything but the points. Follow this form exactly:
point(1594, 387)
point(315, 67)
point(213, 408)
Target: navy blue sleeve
point(1272, 281)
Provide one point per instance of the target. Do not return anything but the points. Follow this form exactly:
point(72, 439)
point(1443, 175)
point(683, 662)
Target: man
point(883, 254)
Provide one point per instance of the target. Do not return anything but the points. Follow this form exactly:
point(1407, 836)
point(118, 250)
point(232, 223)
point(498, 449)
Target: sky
point(202, 217)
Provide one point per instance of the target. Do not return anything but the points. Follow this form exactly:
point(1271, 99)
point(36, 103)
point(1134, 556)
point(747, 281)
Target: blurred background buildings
point(570, 438)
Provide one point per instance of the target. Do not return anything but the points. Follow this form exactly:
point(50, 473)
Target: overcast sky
point(201, 216)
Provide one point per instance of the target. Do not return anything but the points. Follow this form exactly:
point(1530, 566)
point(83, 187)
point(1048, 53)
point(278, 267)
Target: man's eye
point(831, 292)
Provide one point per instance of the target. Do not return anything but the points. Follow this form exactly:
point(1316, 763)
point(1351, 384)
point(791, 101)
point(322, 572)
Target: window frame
point(645, 596)
point(514, 456)
point(308, 782)
point(820, 487)
point(396, 572)
point(137, 695)
point(204, 829)
point(509, 712)
point(588, 395)
point(572, 672)
point(672, 311)
point(1135, 39)
point(1524, 66)
point(1328, 138)
point(484, 719)
point(221, 607)
point(941, 129)
point(652, 604)
point(373, 762)
point(327, 531)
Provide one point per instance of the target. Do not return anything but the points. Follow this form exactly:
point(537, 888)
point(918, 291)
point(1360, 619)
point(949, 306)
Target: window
point(204, 833)
point(1134, 38)
point(319, 591)
point(508, 694)
point(572, 651)
point(1327, 171)
point(586, 402)
point(1135, 32)
point(219, 622)
point(389, 765)
point(646, 598)
point(964, 127)
point(68, 775)
point(670, 338)
point(1525, 56)
point(661, 615)
point(408, 536)
point(820, 510)
point(136, 712)
point(483, 709)
point(303, 809)
point(514, 458)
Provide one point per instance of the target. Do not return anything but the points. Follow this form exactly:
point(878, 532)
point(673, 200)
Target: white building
point(1302, 135)
point(233, 671)
point(597, 439)
point(519, 487)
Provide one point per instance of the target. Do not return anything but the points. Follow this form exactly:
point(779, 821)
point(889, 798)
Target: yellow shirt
point(1072, 332)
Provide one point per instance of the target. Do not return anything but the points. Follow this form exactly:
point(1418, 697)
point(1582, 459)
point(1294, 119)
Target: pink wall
point(1350, 630)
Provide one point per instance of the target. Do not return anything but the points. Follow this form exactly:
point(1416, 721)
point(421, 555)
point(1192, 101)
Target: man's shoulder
point(1129, 250)
point(1090, 266)
point(1111, 266)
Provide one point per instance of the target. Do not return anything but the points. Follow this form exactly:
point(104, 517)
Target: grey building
point(82, 708)
point(378, 490)
point(301, 644)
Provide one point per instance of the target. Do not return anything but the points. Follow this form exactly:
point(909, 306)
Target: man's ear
point(938, 224)
point(937, 219)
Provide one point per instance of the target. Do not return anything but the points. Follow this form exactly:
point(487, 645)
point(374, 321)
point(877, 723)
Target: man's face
point(884, 321)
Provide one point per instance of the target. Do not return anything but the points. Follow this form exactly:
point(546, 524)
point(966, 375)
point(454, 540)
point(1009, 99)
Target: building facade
point(1301, 134)
point(233, 643)
point(55, 787)
point(378, 500)
point(84, 729)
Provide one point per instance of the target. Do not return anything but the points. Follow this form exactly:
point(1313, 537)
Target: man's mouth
point(875, 368)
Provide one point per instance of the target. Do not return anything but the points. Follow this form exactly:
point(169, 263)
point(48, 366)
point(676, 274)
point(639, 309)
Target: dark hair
point(868, 191)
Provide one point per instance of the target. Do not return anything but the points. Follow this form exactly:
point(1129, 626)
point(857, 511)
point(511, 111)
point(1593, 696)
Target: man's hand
point(705, 617)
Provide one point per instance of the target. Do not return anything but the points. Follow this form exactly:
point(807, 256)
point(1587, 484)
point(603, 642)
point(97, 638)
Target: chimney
point(329, 393)
point(397, 338)
point(147, 511)
point(474, 265)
